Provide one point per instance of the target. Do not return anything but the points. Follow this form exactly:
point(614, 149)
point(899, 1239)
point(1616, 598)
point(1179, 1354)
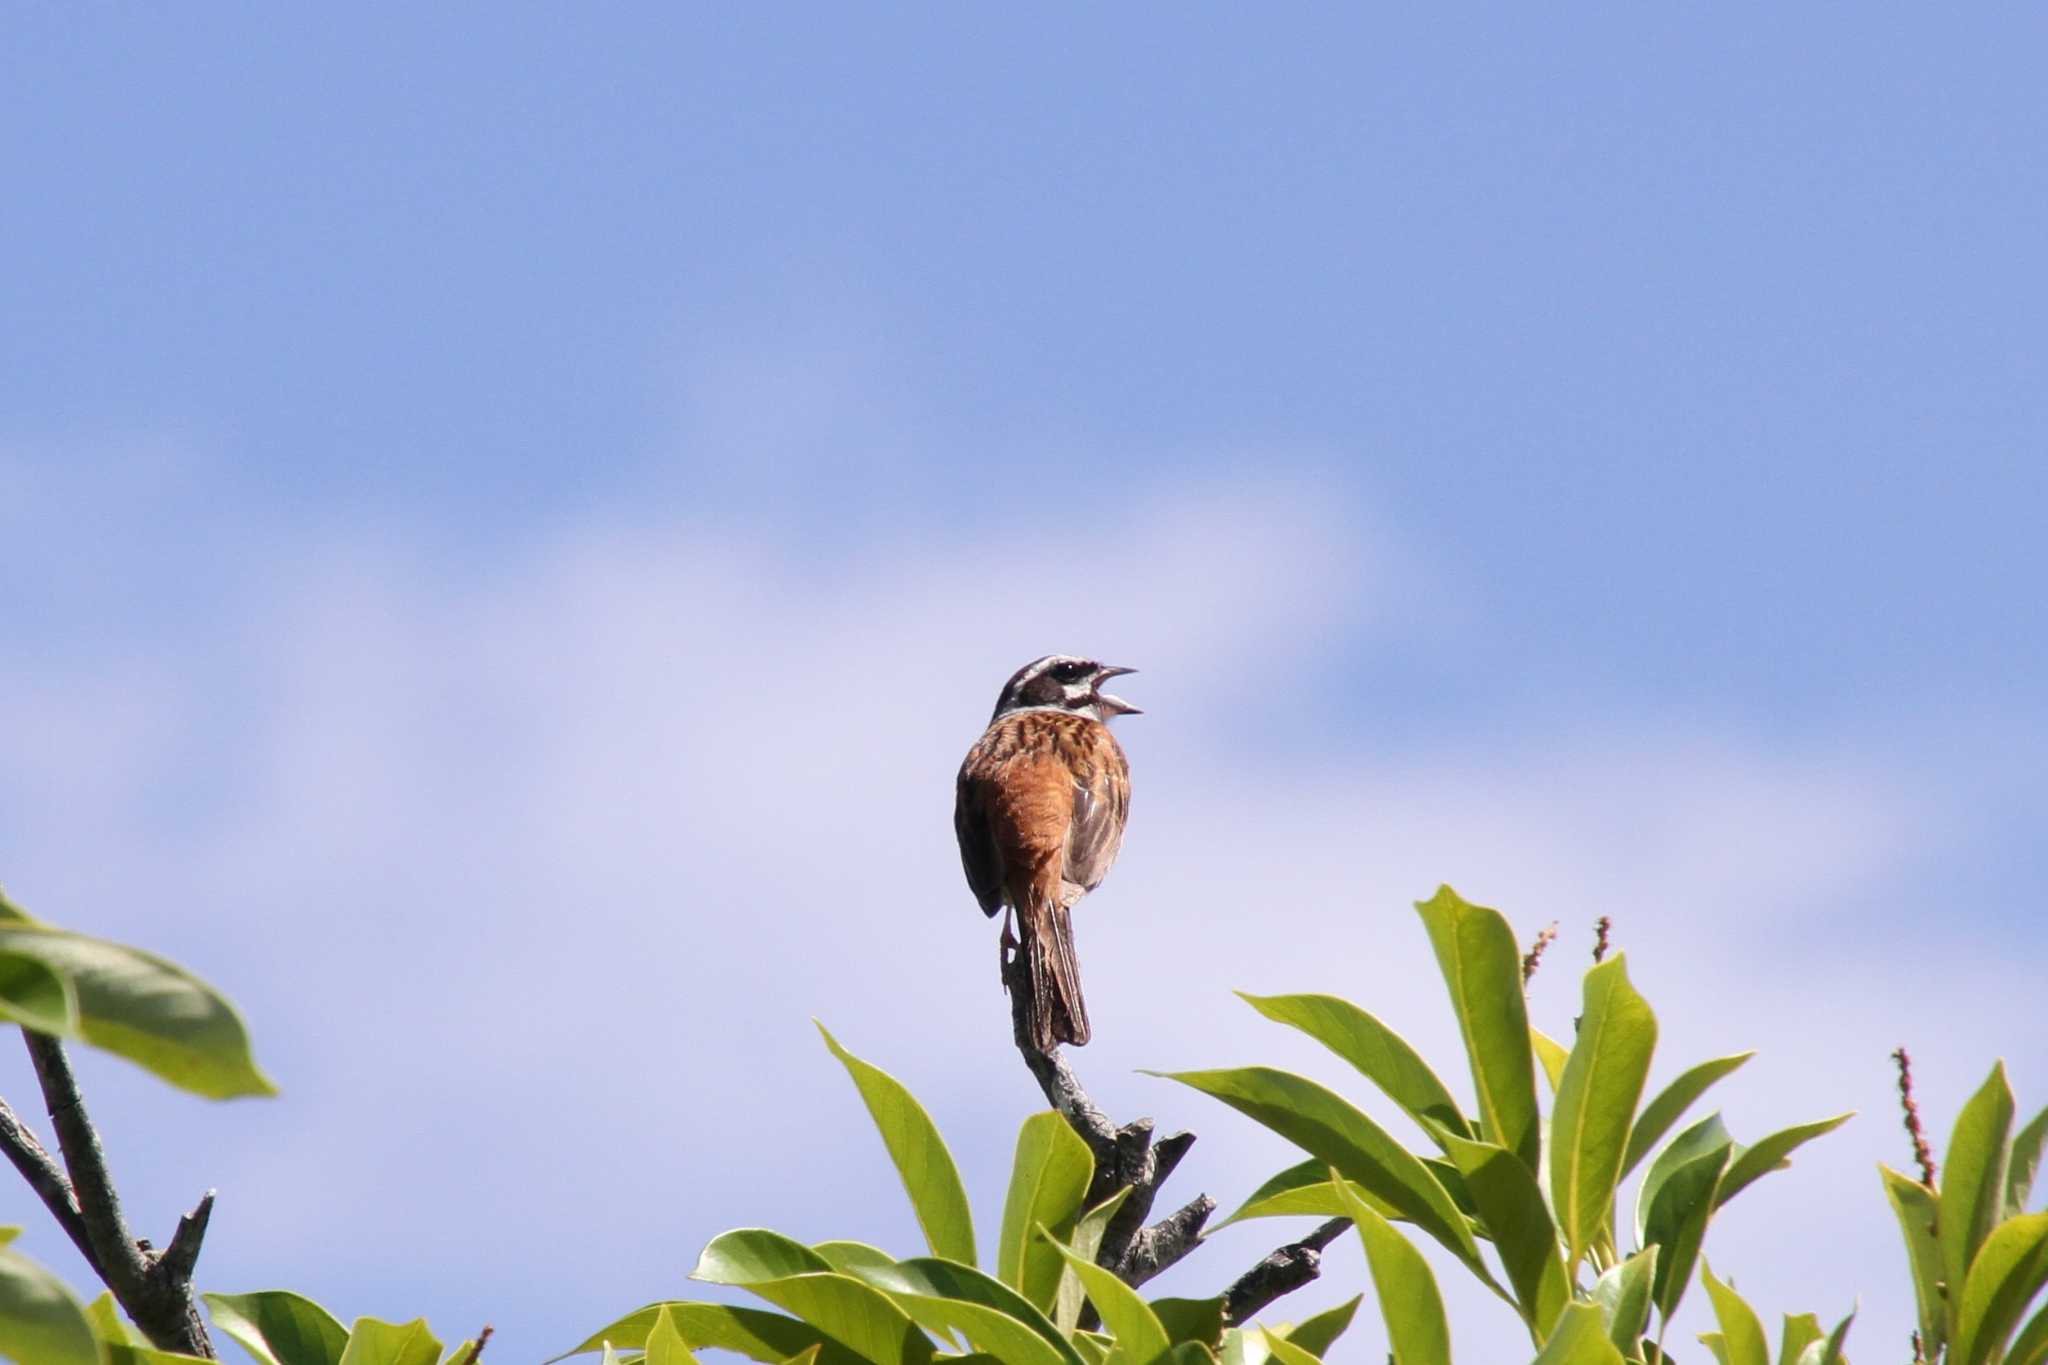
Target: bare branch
point(1166, 1155)
point(182, 1254)
point(482, 1338)
point(47, 1179)
point(121, 1263)
point(1065, 1094)
point(1167, 1240)
point(1128, 1156)
point(154, 1289)
point(1284, 1270)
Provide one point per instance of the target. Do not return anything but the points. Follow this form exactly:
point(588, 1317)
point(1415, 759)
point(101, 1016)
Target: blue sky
point(508, 518)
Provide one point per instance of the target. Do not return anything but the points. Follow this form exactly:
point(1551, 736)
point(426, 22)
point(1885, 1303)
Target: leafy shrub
point(1526, 1201)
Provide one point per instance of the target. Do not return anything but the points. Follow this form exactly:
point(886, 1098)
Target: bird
point(1039, 810)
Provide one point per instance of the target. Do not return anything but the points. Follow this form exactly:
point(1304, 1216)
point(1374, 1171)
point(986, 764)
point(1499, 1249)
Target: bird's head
point(1062, 682)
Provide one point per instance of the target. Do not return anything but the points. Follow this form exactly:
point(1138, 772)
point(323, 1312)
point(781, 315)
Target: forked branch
point(1127, 1155)
point(154, 1288)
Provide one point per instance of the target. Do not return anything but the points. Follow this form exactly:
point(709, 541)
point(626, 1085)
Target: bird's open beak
point(1115, 706)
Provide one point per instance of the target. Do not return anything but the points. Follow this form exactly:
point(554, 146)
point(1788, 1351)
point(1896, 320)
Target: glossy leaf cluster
point(1529, 1209)
point(848, 1303)
point(1979, 1259)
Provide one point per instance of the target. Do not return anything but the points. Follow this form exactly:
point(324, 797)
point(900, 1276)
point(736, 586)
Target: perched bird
point(1039, 810)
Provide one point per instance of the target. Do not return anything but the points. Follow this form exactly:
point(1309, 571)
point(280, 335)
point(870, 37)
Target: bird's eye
point(1071, 671)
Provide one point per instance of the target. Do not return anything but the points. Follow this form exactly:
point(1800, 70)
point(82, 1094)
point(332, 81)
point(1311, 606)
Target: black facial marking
point(1043, 690)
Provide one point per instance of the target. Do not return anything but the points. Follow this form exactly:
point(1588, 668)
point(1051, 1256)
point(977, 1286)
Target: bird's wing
point(979, 858)
point(1097, 829)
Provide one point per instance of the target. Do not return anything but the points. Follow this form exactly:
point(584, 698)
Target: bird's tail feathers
point(1055, 1012)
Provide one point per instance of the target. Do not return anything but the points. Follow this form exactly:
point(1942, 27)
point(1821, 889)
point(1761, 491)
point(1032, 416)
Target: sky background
point(509, 517)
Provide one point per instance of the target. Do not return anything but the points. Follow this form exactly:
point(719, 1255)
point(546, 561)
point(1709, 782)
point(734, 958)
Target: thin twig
point(478, 1349)
point(1922, 1154)
point(47, 1179)
point(121, 1262)
point(1284, 1270)
point(1600, 928)
point(1535, 955)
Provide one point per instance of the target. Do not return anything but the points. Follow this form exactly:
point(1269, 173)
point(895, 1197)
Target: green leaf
point(1094, 1347)
point(152, 1012)
point(1742, 1331)
point(1511, 1207)
point(39, 1320)
point(1417, 1331)
point(932, 1277)
point(1800, 1331)
point(847, 1257)
point(1623, 1295)
point(1914, 1206)
point(1381, 1055)
point(1139, 1333)
point(1048, 1181)
point(1773, 1153)
point(1680, 1206)
point(108, 1326)
point(1286, 1352)
point(2030, 1347)
point(665, 1344)
point(1482, 966)
point(947, 1297)
point(1551, 1055)
point(279, 1327)
point(1086, 1241)
point(1829, 1352)
point(2003, 1279)
point(1580, 1339)
point(1320, 1332)
point(793, 1277)
point(36, 996)
point(1670, 1103)
point(1704, 1136)
point(920, 1154)
point(750, 1332)
point(1191, 1319)
point(1328, 1128)
point(1596, 1103)
point(1973, 1182)
point(748, 1256)
point(2025, 1163)
point(1304, 1189)
point(374, 1342)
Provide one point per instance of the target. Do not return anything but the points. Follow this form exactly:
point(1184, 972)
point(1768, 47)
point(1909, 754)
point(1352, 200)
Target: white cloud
point(530, 881)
